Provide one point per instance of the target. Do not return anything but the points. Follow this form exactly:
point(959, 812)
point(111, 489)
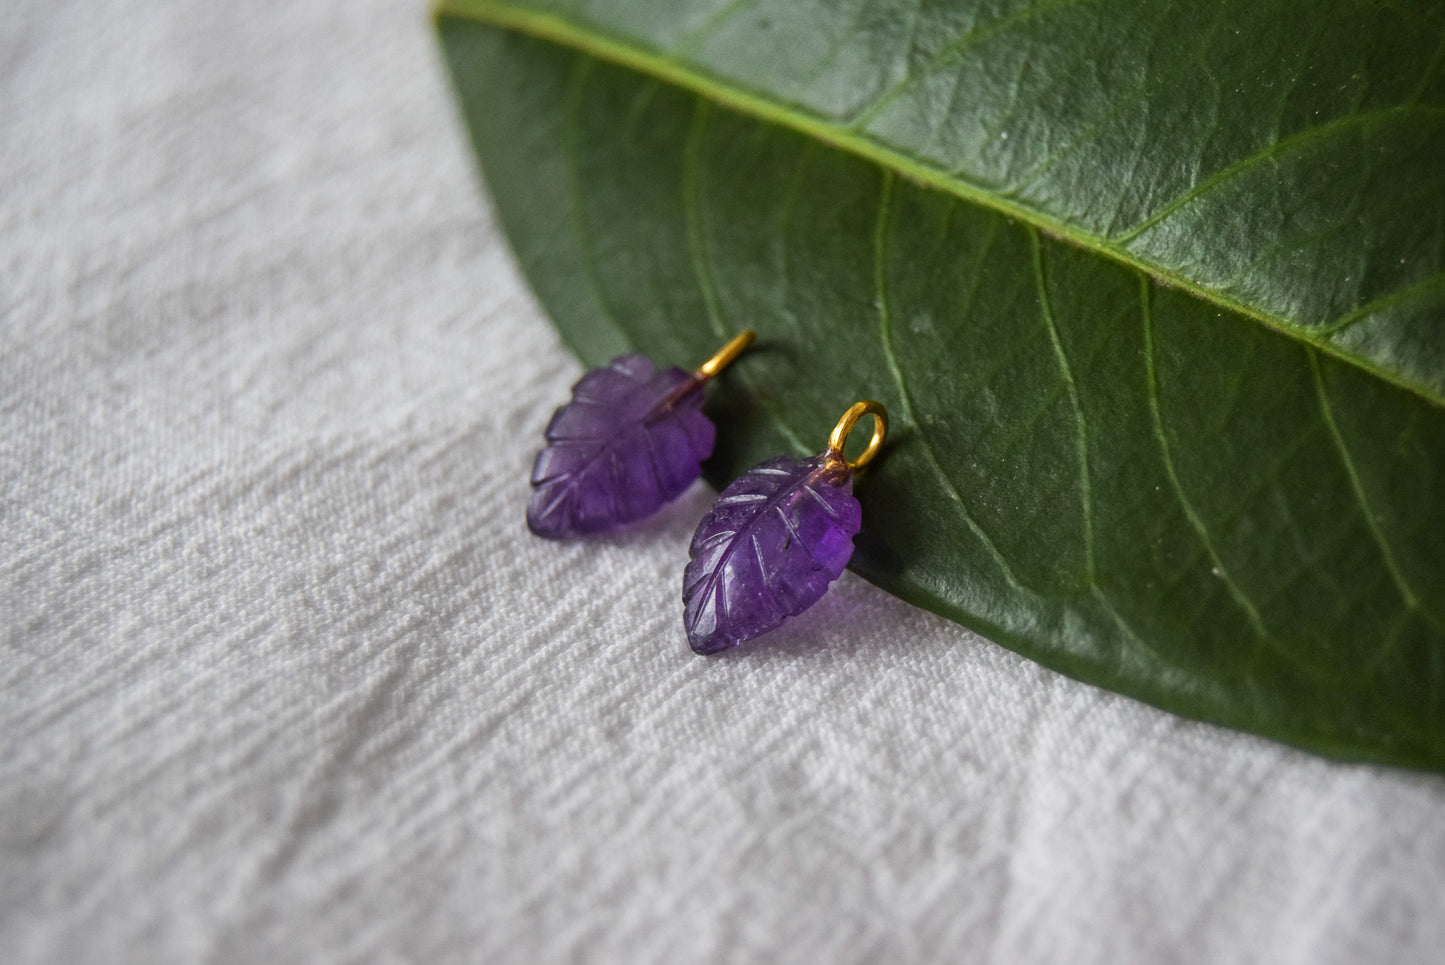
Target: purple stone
point(768, 549)
point(631, 439)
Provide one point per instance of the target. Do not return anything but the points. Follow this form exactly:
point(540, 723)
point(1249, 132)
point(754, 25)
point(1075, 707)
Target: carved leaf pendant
point(632, 439)
point(773, 542)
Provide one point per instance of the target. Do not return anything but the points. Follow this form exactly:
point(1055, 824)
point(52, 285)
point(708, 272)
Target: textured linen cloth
point(285, 679)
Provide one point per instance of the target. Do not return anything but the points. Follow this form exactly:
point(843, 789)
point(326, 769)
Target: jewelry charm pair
point(634, 437)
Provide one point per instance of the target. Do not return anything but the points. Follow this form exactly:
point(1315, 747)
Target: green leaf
point(1156, 295)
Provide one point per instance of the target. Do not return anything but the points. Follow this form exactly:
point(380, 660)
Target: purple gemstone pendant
point(632, 439)
point(774, 540)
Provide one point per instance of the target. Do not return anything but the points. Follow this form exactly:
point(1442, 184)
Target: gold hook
point(839, 438)
point(724, 355)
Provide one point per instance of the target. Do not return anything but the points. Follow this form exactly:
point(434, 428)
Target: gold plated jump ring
point(839, 438)
point(725, 355)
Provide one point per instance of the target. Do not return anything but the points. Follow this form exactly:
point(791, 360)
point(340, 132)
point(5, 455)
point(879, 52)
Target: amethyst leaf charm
point(631, 440)
point(774, 541)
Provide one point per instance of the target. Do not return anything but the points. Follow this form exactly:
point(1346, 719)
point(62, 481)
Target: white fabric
point(286, 679)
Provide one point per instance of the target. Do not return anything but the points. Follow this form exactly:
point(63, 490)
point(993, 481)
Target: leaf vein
point(885, 322)
point(694, 40)
point(952, 50)
point(697, 249)
point(1358, 489)
point(1190, 513)
point(1270, 153)
point(1085, 496)
point(572, 152)
point(1425, 286)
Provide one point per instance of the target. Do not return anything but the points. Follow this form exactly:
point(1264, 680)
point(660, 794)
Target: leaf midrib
point(843, 137)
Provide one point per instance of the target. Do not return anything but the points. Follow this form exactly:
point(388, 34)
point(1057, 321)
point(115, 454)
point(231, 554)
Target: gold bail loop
point(725, 355)
point(839, 438)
